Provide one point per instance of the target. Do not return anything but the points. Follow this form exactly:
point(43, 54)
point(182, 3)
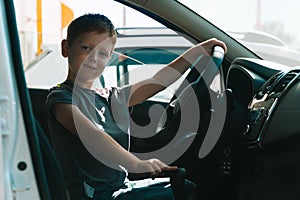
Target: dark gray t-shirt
point(107, 109)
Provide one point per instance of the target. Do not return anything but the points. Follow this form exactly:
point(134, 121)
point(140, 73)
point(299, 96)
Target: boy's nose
point(92, 57)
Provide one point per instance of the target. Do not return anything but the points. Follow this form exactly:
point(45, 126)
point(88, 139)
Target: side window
point(139, 52)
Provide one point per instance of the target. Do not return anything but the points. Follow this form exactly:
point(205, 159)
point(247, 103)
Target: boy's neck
point(85, 84)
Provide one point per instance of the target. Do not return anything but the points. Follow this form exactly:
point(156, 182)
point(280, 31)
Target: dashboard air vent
point(269, 85)
point(284, 82)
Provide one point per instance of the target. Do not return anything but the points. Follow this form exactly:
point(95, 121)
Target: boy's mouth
point(90, 66)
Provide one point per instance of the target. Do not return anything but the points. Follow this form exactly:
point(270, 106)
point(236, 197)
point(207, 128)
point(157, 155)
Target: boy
point(90, 128)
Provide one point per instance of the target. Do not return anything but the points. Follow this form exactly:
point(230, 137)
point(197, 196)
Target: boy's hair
point(90, 23)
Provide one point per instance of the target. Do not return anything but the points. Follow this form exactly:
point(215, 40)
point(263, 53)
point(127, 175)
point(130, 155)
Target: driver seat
point(54, 175)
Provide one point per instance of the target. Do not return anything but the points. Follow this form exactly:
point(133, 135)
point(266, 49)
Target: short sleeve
point(58, 96)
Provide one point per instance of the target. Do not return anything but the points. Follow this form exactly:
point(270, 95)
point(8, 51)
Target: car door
point(22, 174)
point(28, 166)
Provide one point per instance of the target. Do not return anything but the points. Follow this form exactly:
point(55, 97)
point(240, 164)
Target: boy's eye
point(103, 54)
point(87, 48)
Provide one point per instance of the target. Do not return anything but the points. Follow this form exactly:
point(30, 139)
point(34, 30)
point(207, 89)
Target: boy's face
point(88, 55)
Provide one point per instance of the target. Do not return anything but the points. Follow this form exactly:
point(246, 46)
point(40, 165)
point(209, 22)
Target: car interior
point(256, 153)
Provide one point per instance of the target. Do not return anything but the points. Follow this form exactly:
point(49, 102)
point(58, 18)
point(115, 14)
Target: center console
point(264, 104)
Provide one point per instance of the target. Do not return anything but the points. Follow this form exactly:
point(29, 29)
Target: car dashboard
point(268, 101)
point(263, 114)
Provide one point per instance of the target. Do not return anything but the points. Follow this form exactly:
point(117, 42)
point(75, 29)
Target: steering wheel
point(198, 141)
point(195, 90)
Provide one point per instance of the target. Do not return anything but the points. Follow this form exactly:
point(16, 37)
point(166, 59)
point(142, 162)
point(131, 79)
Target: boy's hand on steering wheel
point(208, 45)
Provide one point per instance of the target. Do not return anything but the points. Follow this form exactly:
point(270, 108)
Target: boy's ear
point(64, 48)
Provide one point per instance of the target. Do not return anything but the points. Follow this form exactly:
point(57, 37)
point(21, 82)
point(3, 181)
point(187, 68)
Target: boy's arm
point(102, 145)
point(169, 74)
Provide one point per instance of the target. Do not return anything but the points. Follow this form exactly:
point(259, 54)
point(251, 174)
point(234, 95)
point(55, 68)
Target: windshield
point(267, 27)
